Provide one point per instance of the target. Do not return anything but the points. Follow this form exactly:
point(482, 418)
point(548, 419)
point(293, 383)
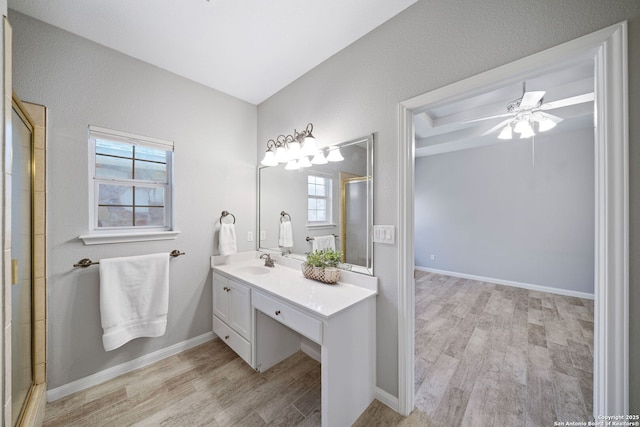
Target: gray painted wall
point(491, 212)
point(430, 45)
point(83, 83)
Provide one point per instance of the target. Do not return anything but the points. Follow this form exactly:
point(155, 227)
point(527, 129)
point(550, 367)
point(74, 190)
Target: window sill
point(105, 239)
point(321, 226)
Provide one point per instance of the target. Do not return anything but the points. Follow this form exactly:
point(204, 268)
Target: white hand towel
point(286, 235)
point(134, 298)
point(323, 242)
point(227, 239)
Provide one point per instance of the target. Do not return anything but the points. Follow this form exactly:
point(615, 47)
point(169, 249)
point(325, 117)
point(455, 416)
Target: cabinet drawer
point(289, 316)
point(232, 339)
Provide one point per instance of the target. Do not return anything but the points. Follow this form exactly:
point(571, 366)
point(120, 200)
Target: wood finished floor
point(493, 355)
point(208, 385)
point(486, 355)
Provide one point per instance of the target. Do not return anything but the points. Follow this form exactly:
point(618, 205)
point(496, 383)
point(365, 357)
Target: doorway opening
point(608, 52)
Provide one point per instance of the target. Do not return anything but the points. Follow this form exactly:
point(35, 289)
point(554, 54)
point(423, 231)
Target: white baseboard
point(311, 352)
point(132, 365)
point(529, 286)
point(387, 398)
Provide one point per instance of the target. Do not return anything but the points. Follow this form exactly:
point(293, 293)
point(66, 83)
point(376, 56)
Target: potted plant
point(322, 265)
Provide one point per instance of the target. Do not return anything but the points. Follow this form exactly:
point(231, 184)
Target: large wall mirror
point(331, 201)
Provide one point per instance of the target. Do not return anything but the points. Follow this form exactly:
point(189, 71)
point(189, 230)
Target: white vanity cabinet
point(232, 315)
point(267, 314)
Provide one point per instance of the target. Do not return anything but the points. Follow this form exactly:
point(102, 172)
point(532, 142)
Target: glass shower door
point(21, 254)
point(355, 230)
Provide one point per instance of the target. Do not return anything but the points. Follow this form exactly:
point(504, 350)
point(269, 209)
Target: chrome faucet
point(268, 262)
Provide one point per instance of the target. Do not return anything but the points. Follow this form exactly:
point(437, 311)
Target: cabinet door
point(239, 309)
point(221, 297)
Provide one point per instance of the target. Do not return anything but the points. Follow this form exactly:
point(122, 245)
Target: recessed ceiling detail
point(489, 116)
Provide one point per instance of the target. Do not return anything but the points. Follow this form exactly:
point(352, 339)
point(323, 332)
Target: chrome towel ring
point(283, 214)
point(225, 214)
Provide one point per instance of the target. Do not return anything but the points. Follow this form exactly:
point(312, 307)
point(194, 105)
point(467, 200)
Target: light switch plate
point(384, 234)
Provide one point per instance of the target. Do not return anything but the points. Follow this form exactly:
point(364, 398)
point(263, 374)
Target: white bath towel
point(134, 298)
point(227, 239)
point(323, 242)
point(286, 235)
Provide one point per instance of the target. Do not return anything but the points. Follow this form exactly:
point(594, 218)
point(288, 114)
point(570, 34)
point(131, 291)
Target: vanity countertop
point(289, 284)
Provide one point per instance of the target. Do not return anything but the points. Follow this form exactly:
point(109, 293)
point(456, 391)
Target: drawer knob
point(226, 337)
point(277, 312)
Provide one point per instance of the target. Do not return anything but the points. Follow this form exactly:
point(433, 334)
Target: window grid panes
point(132, 185)
point(318, 199)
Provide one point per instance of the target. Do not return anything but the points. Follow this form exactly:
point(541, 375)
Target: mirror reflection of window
point(319, 200)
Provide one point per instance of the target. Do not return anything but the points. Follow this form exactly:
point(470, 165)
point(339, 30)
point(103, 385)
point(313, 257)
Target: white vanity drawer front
point(289, 316)
point(232, 339)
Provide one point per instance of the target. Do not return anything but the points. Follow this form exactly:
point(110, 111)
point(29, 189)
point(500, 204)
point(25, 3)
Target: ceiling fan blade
point(587, 97)
point(498, 126)
point(531, 99)
point(481, 119)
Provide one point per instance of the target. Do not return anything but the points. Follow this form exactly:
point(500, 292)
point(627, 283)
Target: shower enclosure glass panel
point(354, 230)
point(21, 254)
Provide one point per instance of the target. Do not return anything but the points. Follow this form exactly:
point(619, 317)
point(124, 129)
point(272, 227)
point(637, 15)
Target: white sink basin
point(255, 270)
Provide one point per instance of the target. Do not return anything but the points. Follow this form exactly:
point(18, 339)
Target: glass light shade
point(545, 124)
point(335, 155)
point(294, 150)
point(319, 159)
point(281, 155)
point(269, 158)
point(292, 165)
point(506, 132)
point(304, 162)
point(309, 147)
point(521, 125)
point(527, 133)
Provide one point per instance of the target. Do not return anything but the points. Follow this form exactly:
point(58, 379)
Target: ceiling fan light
point(527, 133)
point(545, 125)
point(521, 126)
point(506, 132)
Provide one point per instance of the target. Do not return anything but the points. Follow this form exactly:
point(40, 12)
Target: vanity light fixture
point(335, 155)
point(296, 150)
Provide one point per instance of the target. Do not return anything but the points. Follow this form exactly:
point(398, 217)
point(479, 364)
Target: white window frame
point(328, 197)
point(102, 235)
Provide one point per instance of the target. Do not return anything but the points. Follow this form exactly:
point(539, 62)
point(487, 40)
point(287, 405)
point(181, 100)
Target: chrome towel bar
point(86, 262)
point(308, 239)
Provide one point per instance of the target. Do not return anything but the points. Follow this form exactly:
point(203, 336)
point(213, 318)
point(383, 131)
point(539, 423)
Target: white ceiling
point(246, 48)
point(451, 126)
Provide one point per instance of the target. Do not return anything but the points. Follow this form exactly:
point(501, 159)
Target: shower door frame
point(35, 115)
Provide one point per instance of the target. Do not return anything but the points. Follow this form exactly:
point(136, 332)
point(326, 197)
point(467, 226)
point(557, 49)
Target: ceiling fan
point(528, 112)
